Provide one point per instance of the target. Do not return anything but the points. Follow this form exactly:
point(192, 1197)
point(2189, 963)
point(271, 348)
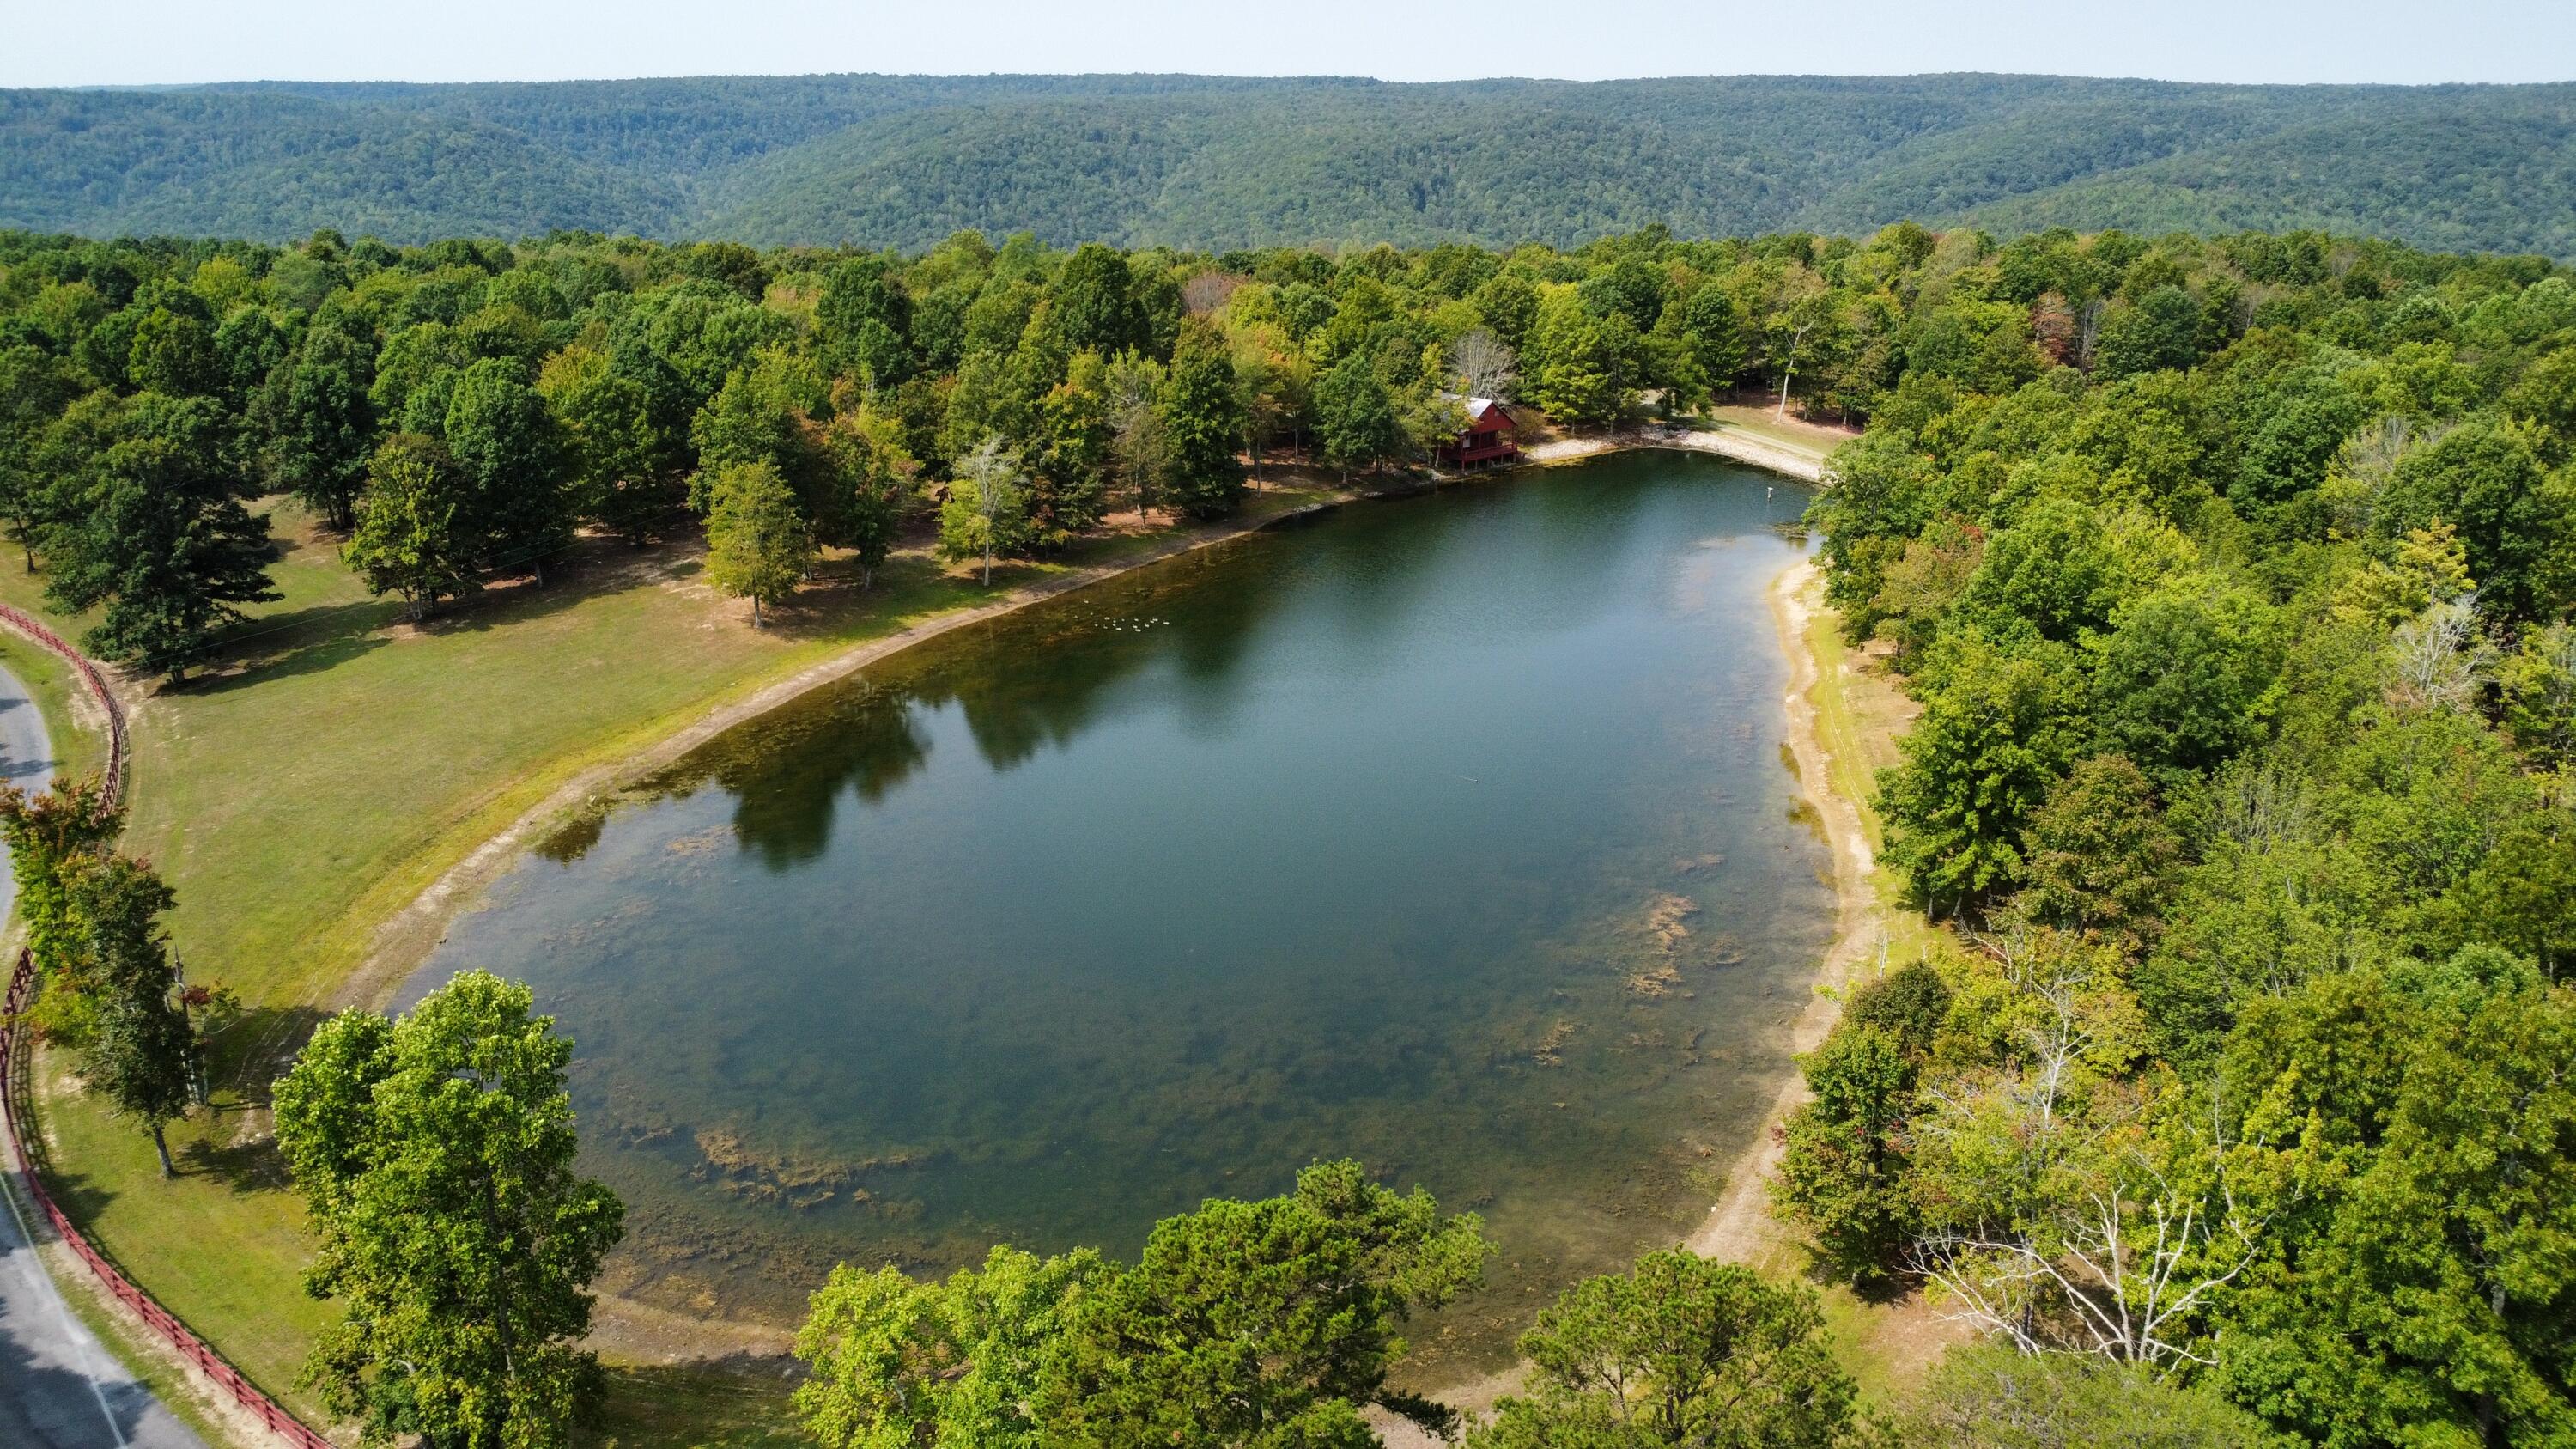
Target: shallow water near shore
point(1448, 833)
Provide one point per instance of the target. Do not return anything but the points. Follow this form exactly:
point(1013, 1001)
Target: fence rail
point(17, 1096)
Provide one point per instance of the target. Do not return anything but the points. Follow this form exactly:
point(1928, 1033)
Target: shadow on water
point(1028, 681)
point(1037, 678)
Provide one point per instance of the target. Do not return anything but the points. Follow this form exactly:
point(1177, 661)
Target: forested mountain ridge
point(1215, 162)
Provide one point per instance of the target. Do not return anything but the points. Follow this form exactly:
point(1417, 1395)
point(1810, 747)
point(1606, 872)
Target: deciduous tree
point(759, 546)
point(142, 1055)
point(1203, 418)
point(412, 536)
point(434, 1155)
point(154, 533)
point(1679, 1351)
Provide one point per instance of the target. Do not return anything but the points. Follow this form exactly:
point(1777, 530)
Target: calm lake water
point(1452, 834)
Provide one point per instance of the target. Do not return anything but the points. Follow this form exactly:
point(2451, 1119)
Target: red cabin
point(1487, 439)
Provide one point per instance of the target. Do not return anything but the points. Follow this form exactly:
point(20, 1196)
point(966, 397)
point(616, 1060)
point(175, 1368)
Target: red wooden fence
point(17, 1093)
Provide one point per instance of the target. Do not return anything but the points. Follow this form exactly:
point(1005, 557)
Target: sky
point(160, 42)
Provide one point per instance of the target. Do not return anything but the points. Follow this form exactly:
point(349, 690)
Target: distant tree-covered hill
point(1212, 162)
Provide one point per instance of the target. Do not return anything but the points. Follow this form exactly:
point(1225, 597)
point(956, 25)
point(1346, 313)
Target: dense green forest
point(2233, 577)
point(1209, 162)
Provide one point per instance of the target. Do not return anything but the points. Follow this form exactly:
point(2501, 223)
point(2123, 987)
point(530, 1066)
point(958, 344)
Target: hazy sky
point(65, 42)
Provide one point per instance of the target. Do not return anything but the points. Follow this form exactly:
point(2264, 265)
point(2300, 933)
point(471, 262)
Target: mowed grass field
point(331, 762)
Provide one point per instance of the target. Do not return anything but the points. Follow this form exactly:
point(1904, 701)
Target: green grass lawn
point(332, 762)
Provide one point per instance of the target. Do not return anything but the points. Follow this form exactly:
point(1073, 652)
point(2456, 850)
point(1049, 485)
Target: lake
point(1449, 833)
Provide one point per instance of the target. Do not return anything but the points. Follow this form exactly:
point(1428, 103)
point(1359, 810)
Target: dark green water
point(1449, 833)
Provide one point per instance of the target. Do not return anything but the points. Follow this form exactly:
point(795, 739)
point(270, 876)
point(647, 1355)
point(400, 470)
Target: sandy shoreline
point(1725, 442)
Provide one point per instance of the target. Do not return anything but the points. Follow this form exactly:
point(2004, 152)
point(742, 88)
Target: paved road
point(59, 1389)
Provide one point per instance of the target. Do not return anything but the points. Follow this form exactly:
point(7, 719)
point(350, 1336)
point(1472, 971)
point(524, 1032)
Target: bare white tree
point(1139, 445)
point(2554, 702)
point(1787, 364)
point(2441, 659)
point(1207, 291)
point(1486, 366)
point(2088, 1245)
point(2262, 804)
point(2112, 1274)
point(2088, 331)
point(2364, 467)
point(994, 470)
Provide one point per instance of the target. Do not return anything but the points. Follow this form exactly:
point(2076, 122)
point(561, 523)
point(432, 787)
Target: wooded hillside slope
point(1212, 162)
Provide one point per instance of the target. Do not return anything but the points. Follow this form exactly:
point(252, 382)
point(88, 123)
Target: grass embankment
point(1860, 714)
point(335, 761)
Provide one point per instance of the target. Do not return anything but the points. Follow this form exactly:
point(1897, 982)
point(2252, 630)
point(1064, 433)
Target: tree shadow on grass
point(319, 637)
point(836, 605)
point(81, 1197)
point(254, 1050)
point(305, 641)
point(234, 1152)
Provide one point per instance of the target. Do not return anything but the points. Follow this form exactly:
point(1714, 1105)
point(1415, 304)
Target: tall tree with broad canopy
point(865, 322)
point(411, 537)
point(49, 833)
point(434, 1155)
point(1205, 421)
point(1269, 1324)
point(1682, 1350)
point(956, 1363)
point(155, 533)
point(1257, 1323)
point(759, 547)
point(618, 453)
point(1356, 420)
point(320, 423)
point(1977, 766)
point(511, 454)
point(1093, 303)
